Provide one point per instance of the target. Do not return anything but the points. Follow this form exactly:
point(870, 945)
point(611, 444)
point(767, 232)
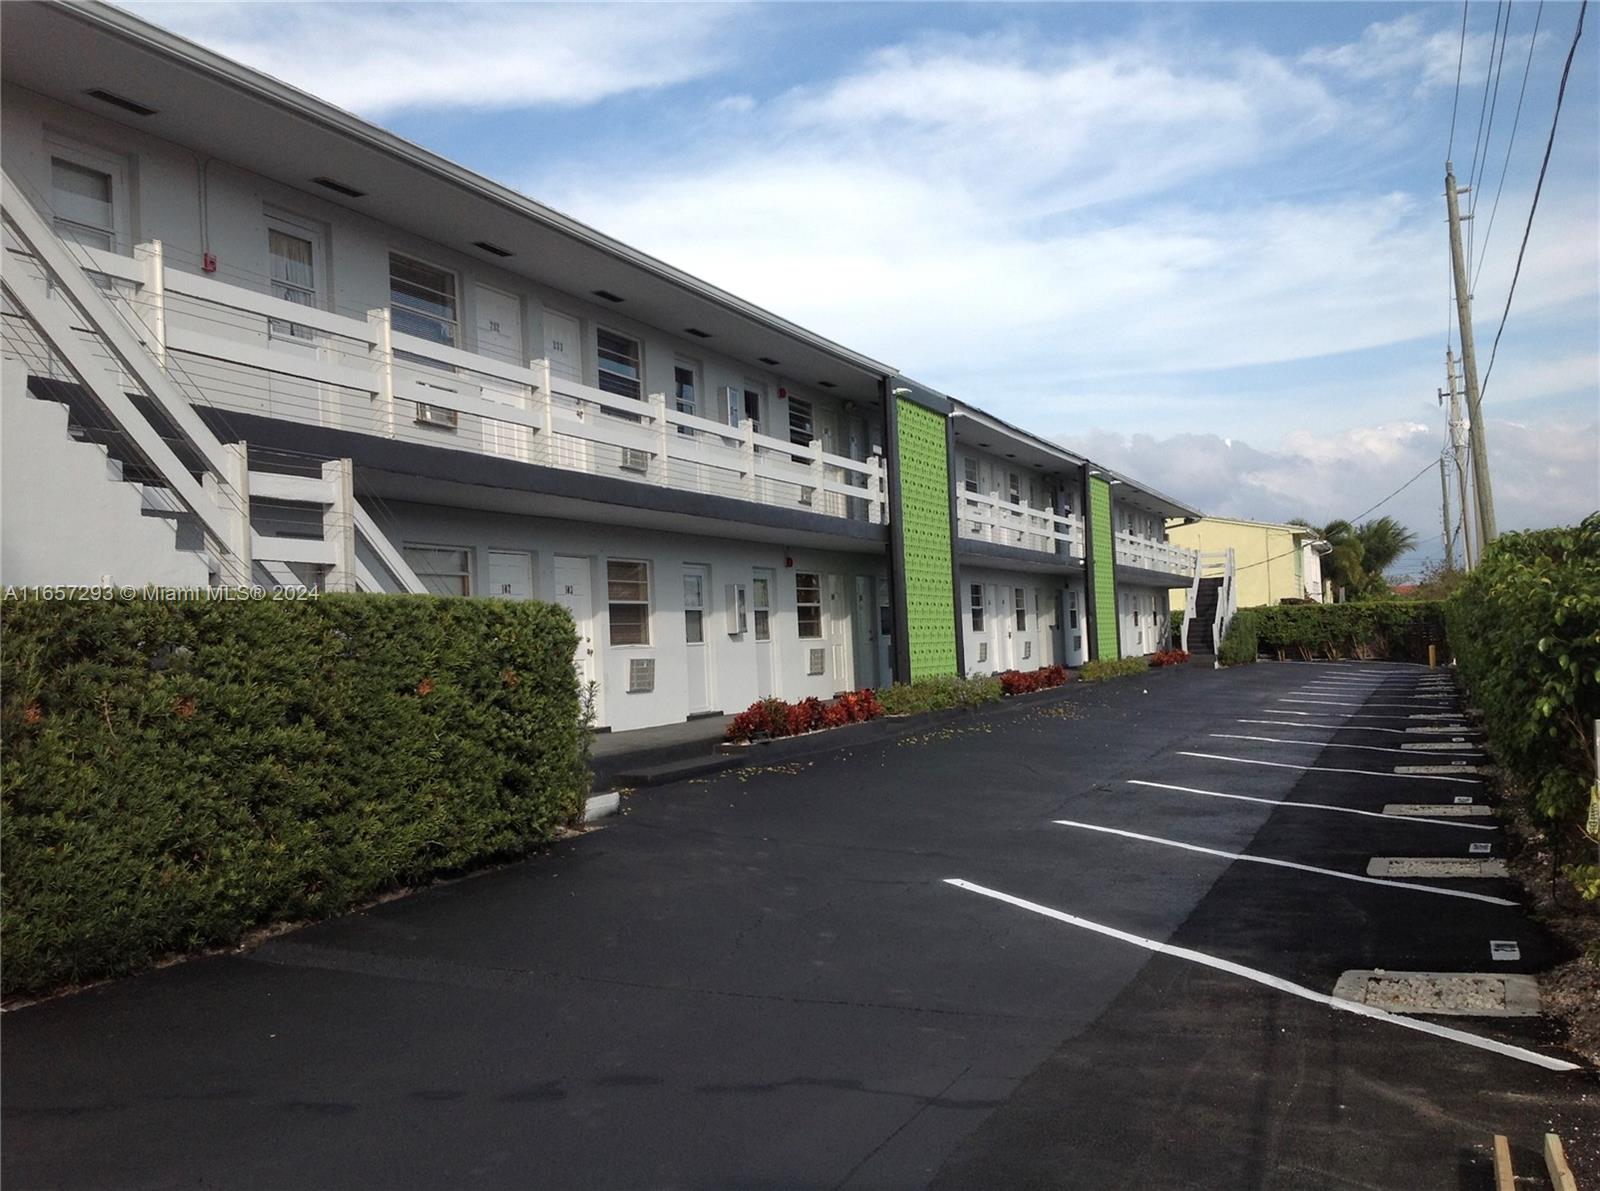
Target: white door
point(573, 594)
point(1074, 634)
point(563, 348)
point(500, 338)
point(827, 428)
point(762, 584)
point(998, 613)
point(696, 634)
point(839, 636)
point(510, 575)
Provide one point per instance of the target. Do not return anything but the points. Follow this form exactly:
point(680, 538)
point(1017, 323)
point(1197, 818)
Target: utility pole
point(1458, 447)
point(1469, 368)
point(1444, 504)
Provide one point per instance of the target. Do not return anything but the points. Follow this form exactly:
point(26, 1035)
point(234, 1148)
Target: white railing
point(987, 518)
point(1227, 604)
point(253, 353)
point(1135, 551)
point(1218, 565)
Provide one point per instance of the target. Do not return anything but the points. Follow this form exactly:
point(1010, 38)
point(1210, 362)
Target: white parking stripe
point(1274, 982)
point(1325, 727)
point(1276, 863)
point(1429, 715)
point(1311, 806)
point(1404, 777)
point(1327, 744)
point(1343, 703)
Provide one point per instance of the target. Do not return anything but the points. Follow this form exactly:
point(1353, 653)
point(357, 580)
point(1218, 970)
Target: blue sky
point(1204, 242)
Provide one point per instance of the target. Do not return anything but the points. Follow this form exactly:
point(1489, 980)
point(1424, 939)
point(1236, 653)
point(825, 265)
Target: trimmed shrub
point(178, 773)
point(1392, 629)
point(1023, 682)
point(1099, 671)
point(774, 718)
point(940, 693)
point(1525, 626)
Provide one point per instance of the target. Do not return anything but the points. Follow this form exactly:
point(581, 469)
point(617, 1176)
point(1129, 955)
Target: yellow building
point(1272, 563)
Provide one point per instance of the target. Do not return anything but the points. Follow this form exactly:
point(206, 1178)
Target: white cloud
point(1404, 52)
point(377, 59)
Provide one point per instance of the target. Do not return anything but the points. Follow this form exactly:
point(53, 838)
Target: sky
point(1203, 243)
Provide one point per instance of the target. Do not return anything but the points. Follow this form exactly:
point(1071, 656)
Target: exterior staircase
point(1210, 606)
point(79, 365)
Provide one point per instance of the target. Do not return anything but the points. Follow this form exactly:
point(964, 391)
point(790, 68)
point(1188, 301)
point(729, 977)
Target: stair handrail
point(1189, 604)
point(1224, 611)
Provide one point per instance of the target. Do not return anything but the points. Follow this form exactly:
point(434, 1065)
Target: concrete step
point(676, 771)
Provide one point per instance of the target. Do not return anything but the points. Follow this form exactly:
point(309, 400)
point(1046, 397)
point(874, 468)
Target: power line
point(1460, 55)
point(1480, 144)
point(1483, 104)
point(1555, 119)
point(1516, 119)
point(1498, 64)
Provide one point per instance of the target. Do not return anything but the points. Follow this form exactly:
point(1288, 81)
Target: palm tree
point(1344, 563)
point(1383, 541)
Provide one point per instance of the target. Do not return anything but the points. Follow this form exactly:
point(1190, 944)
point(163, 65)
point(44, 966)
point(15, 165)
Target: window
point(761, 602)
point(801, 426)
point(628, 600)
point(808, 603)
point(619, 365)
point(1014, 488)
point(975, 603)
point(686, 391)
point(444, 570)
point(422, 301)
point(292, 270)
point(969, 472)
point(694, 608)
point(84, 204)
point(752, 409)
point(1020, 601)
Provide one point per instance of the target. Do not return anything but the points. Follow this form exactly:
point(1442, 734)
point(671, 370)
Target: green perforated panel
point(1105, 582)
point(924, 469)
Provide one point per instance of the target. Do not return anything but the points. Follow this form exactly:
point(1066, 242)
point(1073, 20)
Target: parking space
point(1038, 947)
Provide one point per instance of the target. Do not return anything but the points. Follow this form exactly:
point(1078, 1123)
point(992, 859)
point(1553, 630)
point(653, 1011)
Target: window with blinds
point(619, 370)
point(83, 200)
point(422, 301)
point(293, 276)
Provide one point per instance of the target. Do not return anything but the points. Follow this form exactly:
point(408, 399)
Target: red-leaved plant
point(774, 718)
point(1021, 682)
point(1168, 657)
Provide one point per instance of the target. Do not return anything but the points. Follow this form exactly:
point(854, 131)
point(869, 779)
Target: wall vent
point(697, 332)
point(641, 675)
point(768, 361)
point(121, 101)
point(827, 384)
point(634, 459)
point(983, 652)
point(339, 188)
point(816, 661)
point(1027, 649)
point(606, 294)
point(492, 249)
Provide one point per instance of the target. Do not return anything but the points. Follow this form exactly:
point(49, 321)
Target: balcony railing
point(241, 350)
point(990, 519)
point(1135, 551)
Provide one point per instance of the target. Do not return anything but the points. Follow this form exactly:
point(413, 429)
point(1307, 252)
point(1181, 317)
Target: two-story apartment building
point(308, 352)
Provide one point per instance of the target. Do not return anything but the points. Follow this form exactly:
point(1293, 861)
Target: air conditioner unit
point(437, 415)
point(983, 651)
point(634, 459)
point(641, 675)
point(1027, 649)
point(817, 661)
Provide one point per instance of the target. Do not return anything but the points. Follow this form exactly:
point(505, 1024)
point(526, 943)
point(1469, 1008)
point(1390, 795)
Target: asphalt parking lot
point(985, 954)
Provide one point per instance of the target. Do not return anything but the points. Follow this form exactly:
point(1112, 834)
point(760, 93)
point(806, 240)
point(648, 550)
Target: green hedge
point(938, 694)
point(178, 773)
point(1398, 630)
point(1099, 671)
point(1526, 631)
